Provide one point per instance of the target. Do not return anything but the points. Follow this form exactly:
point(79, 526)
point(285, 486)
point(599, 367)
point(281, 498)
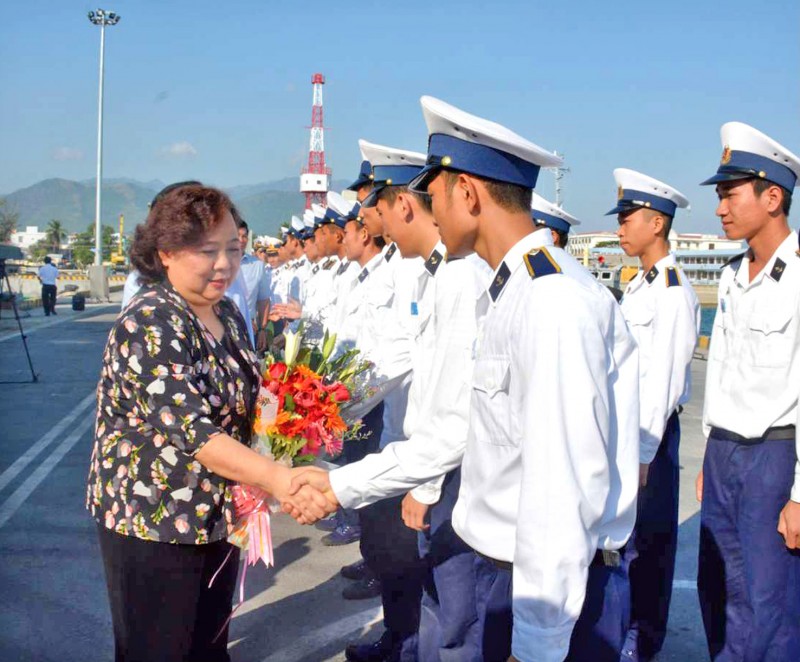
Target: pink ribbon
point(252, 533)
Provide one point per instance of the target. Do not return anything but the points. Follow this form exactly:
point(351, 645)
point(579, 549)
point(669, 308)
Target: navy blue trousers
point(650, 552)
point(748, 581)
point(449, 630)
point(598, 635)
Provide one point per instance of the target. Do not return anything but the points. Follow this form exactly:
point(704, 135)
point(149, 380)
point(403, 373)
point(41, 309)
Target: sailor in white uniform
point(663, 313)
point(549, 476)
point(546, 214)
point(749, 566)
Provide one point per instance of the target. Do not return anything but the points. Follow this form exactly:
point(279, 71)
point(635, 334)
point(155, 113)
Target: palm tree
point(55, 235)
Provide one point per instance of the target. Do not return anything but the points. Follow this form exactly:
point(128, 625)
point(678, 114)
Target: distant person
point(175, 403)
point(547, 215)
point(257, 285)
point(47, 277)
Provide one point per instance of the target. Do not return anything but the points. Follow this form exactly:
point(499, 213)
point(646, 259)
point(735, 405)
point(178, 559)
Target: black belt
point(501, 565)
point(782, 433)
point(609, 558)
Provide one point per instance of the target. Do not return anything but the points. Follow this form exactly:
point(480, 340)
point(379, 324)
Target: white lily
point(292, 347)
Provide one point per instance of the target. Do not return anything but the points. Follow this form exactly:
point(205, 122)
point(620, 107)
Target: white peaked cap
point(380, 155)
point(635, 189)
point(297, 224)
point(339, 204)
point(546, 213)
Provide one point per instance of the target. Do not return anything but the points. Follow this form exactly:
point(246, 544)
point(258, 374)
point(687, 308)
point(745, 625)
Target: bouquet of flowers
point(301, 411)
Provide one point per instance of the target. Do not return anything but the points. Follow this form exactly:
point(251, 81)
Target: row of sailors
point(536, 449)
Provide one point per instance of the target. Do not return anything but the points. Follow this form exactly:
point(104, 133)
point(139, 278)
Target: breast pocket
point(490, 398)
point(771, 339)
point(640, 322)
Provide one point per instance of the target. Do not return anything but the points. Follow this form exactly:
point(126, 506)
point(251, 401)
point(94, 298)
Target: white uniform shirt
point(663, 314)
point(48, 274)
point(326, 290)
point(372, 324)
point(237, 292)
point(256, 280)
point(753, 373)
point(436, 443)
point(130, 288)
point(396, 305)
point(550, 473)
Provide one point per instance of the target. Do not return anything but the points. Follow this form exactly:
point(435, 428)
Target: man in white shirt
point(257, 287)
point(47, 277)
point(749, 566)
point(663, 313)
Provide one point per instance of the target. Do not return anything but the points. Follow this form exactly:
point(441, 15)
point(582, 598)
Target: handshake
point(306, 494)
point(308, 497)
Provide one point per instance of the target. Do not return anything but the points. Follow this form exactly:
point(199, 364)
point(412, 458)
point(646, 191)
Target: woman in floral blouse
point(174, 408)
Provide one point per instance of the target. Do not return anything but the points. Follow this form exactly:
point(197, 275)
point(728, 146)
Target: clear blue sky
point(221, 91)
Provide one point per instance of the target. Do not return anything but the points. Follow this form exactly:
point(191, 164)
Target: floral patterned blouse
point(166, 387)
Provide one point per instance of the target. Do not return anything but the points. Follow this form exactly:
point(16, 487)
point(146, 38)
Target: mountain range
point(264, 206)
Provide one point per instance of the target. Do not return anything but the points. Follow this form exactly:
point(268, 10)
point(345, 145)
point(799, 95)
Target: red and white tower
point(314, 178)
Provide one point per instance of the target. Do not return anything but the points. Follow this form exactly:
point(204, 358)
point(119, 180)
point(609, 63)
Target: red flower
point(339, 392)
point(277, 370)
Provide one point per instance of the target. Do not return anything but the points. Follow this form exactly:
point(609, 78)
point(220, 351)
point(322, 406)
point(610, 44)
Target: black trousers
point(390, 549)
point(48, 298)
point(161, 605)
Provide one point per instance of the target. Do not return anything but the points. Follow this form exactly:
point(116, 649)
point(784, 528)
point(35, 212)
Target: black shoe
point(54, 312)
point(364, 589)
point(343, 535)
point(329, 524)
point(383, 650)
point(356, 571)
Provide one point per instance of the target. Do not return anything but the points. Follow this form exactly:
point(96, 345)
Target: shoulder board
point(673, 277)
point(777, 269)
point(540, 263)
point(735, 258)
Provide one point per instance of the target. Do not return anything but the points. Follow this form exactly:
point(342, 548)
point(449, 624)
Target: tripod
point(6, 284)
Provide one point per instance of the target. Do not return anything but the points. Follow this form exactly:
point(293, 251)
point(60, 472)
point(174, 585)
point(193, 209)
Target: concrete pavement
point(55, 606)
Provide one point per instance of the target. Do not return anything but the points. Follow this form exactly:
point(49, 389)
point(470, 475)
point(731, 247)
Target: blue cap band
point(746, 164)
point(364, 176)
point(395, 175)
point(445, 151)
point(550, 221)
point(632, 199)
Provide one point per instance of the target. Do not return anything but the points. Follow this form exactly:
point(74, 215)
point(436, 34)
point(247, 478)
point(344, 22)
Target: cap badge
point(620, 193)
point(726, 155)
point(446, 161)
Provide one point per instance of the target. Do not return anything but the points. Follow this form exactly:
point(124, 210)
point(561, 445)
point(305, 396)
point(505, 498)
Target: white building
point(704, 242)
point(582, 242)
point(28, 238)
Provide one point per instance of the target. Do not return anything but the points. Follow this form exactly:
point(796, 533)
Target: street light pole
point(102, 18)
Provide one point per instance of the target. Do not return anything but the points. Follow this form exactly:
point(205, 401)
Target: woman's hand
point(230, 459)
